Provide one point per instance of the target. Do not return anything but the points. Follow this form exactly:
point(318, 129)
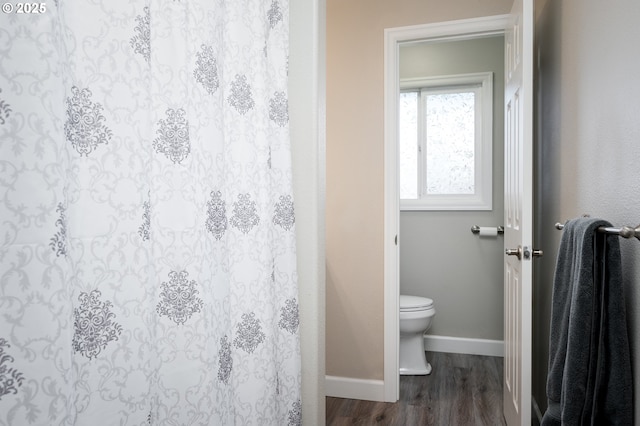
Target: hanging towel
point(589, 380)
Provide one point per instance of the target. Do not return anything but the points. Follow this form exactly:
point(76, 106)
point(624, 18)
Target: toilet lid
point(414, 303)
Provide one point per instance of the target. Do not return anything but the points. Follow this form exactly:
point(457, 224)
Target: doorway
point(394, 39)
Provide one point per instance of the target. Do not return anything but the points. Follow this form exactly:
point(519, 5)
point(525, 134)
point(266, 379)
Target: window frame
point(482, 199)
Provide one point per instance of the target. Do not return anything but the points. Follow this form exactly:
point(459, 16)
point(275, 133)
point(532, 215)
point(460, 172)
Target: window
point(445, 142)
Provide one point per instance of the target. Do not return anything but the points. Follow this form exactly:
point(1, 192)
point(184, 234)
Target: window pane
point(408, 149)
point(450, 143)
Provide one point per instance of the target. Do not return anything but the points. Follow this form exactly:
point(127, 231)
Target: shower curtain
point(147, 233)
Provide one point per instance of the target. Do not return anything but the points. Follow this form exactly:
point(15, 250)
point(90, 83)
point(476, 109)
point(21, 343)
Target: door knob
point(514, 252)
point(527, 252)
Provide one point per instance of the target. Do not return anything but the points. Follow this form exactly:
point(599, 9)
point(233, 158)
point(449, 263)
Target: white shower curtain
point(147, 235)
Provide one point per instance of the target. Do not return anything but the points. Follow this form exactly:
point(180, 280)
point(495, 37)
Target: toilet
point(416, 314)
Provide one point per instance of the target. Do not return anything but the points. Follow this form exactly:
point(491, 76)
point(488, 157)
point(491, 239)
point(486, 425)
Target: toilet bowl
point(416, 314)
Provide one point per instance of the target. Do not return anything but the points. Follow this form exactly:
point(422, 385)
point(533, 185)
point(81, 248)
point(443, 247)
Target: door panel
point(518, 213)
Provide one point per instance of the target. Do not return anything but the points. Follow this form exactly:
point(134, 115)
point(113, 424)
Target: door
point(518, 213)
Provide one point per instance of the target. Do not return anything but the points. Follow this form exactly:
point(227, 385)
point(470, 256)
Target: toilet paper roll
point(488, 231)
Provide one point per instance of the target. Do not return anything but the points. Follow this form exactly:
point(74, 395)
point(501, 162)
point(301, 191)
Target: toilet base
point(415, 372)
point(413, 360)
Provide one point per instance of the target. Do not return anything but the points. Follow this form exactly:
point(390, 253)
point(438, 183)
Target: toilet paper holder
point(475, 229)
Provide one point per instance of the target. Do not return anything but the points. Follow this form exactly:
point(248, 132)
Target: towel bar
point(624, 231)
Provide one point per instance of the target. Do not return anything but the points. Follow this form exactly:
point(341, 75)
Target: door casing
point(449, 30)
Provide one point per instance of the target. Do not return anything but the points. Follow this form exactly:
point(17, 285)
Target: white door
point(518, 213)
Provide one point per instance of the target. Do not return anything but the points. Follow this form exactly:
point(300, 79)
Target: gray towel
point(589, 380)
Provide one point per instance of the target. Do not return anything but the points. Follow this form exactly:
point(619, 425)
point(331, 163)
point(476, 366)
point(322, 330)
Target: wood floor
point(461, 390)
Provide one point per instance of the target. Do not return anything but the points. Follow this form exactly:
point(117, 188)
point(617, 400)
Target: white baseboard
point(463, 345)
point(347, 387)
point(535, 409)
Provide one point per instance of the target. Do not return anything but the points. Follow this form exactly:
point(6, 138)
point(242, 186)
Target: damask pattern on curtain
point(147, 232)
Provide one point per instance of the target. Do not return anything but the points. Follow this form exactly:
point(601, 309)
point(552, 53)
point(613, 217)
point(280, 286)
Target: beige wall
point(433, 244)
point(355, 164)
point(587, 145)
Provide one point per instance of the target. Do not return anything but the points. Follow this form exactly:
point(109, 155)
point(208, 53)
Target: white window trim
point(483, 197)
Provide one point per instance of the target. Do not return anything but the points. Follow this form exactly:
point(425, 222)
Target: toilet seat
point(415, 303)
